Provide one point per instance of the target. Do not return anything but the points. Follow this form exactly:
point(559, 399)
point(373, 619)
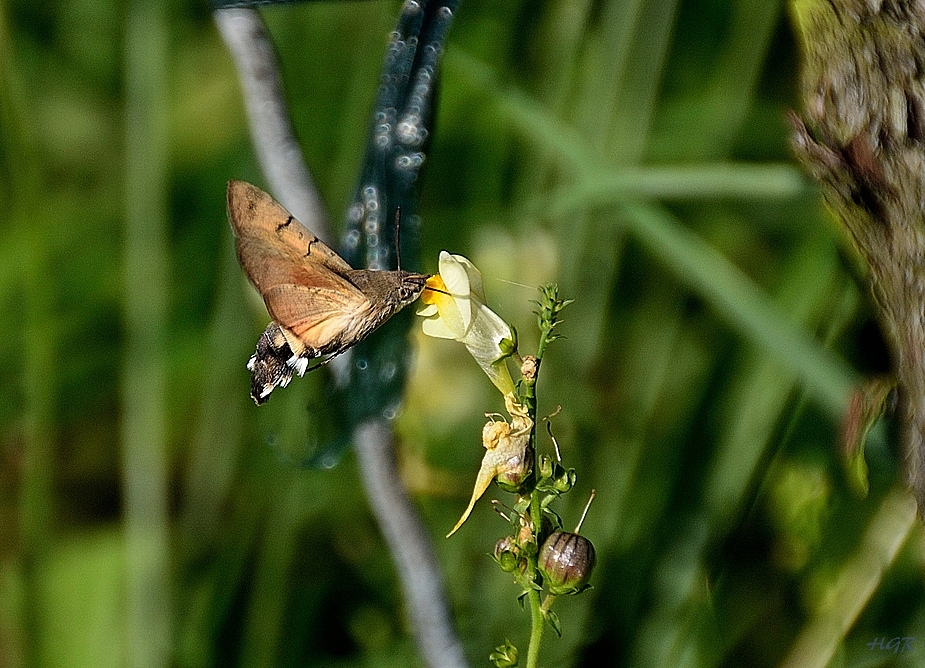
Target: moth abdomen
point(274, 362)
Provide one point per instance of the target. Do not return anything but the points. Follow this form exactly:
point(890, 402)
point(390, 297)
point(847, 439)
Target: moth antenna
point(398, 236)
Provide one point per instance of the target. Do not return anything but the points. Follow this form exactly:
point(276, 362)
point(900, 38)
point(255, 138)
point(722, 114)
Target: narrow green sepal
point(553, 620)
point(508, 346)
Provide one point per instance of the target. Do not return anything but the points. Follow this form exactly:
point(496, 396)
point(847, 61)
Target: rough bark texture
point(862, 135)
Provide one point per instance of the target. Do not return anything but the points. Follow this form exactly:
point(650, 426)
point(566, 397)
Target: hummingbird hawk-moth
point(320, 305)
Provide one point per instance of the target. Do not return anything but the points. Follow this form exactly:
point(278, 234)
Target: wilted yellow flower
point(507, 453)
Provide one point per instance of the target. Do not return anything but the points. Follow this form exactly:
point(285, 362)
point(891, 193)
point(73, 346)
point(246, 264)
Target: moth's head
point(410, 286)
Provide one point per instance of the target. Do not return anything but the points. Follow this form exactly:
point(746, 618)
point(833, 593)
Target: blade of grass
point(28, 283)
point(757, 397)
point(607, 86)
point(754, 403)
point(592, 177)
point(266, 612)
point(31, 272)
point(678, 182)
point(742, 303)
point(886, 534)
point(652, 367)
point(144, 422)
point(606, 72)
point(561, 35)
point(625, 133)
point(734, 80)
point(216, 447)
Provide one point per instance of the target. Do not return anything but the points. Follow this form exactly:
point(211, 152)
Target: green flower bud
point(504, 656)
point(506, 554)
point(564, 479)
point(566, 561)
point(546, 467)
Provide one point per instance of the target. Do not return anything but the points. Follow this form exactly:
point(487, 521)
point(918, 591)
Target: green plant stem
point(536, 629)
point(545, 331)
point(537, 620)
point(547, 602)
point(536, 518)
point(529, 388)
point(537, 612)
point(528, 398)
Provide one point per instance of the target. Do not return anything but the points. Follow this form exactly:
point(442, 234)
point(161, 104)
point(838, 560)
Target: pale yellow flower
point(455, 309)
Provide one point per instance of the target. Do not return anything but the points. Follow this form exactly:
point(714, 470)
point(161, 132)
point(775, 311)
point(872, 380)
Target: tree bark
point(862, 135)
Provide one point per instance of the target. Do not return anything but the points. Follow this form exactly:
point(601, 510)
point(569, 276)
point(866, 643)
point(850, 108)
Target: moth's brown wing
point(321, 319)
point(300, 279)
point(274, 248)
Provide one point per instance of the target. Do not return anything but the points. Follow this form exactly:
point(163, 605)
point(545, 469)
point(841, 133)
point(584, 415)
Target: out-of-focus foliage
point(633, 151)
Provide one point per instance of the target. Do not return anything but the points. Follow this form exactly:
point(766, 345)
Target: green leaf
point(553, 620)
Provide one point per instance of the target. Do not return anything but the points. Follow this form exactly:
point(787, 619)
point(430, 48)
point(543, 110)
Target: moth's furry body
point(319, 304)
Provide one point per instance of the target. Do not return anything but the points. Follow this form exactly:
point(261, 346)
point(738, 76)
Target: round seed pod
point(566, 561)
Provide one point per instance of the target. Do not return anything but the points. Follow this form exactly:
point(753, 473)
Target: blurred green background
point(635, 152)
